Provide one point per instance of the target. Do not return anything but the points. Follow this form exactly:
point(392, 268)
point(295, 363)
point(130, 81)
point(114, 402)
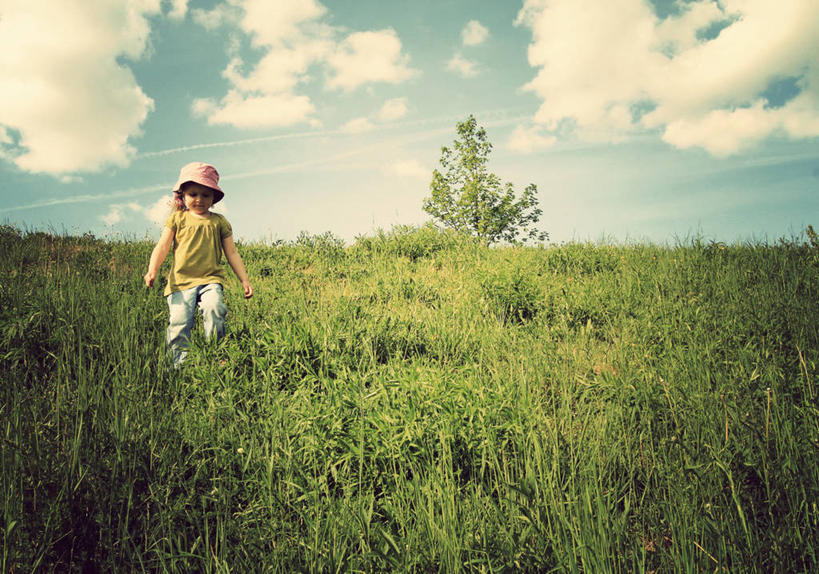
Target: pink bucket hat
point(203, 174)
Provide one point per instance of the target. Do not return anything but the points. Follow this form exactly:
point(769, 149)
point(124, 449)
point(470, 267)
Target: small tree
point(466, 197)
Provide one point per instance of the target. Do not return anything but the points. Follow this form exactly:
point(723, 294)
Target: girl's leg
point(213, 310)
point(181, 305)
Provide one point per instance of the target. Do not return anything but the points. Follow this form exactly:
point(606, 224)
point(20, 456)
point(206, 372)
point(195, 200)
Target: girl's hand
point(248, 289)
point(158, 255)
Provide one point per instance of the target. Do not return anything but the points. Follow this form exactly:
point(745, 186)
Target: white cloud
point(723, 132)
point(697, 77)
point(357, 125)
point(219, 15)
point(408, 168)
point(178, 9)
point(113, 216)
point(366, 57)
point(292, 38)
point(800, 118)
point(392, 110)
point(296, 43)
point(117, 212)
point(529, 139)
point(280, 22)
point(461, 66)
point(64, 85)
point(249, 111)
point(474, 33)
point(680, 33)
point(159, 211)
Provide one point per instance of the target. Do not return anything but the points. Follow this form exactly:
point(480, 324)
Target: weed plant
point(415, 403)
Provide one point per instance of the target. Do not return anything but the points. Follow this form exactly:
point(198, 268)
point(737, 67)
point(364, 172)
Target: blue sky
point(638, 120)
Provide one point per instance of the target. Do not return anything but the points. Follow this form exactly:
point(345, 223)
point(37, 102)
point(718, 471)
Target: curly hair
point(178, 203)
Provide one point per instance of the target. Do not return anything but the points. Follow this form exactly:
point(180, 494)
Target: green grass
point(415, 403)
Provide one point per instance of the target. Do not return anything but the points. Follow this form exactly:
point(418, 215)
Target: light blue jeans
point(182, 307)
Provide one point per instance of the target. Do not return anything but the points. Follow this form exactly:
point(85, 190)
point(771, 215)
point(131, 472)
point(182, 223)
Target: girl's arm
point(235, 260)
point(158, 255)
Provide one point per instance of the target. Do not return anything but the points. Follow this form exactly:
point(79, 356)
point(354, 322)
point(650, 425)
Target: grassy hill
point(414, 402)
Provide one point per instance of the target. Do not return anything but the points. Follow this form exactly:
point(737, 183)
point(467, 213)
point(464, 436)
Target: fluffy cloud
point(250, 111)
point(357, 125)
point(276, 23)
point(218, 16)
point(295, 41)
point(178, 9)
point(699, 76)
point(113, 216)
point(461, 66)
point(474, 33)
point(408, 168)
point(366, 57)
point(156, 213)
point(529, 139)
point(723, 132)
point(392, 110)
point(159, 211)
point(292, 38)
point(65, 89)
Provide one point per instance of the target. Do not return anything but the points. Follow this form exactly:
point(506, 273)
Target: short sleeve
point(225, 230)
point(172, 222)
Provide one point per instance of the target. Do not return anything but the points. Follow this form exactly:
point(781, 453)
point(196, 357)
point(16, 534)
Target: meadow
point(415, 402)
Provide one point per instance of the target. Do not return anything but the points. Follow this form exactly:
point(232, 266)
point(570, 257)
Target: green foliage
point(513, 293)
point(411, 242)
point(813, 239)
point(636, 408)
point(466, 197)
point(323, 244)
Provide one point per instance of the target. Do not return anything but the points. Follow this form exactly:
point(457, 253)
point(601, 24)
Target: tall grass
point(414, 402)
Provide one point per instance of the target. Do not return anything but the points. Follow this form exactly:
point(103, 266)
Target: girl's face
point(198, 198)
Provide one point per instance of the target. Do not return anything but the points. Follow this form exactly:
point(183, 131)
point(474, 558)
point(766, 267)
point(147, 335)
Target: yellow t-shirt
point(197, 250)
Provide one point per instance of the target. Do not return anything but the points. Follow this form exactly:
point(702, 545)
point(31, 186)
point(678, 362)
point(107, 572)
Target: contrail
point(87, 197)
point(501, 116)
point(167, 186)
point(247, 141)
point(501, 119)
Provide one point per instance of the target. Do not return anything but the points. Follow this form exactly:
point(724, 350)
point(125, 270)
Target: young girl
point(199, 237)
